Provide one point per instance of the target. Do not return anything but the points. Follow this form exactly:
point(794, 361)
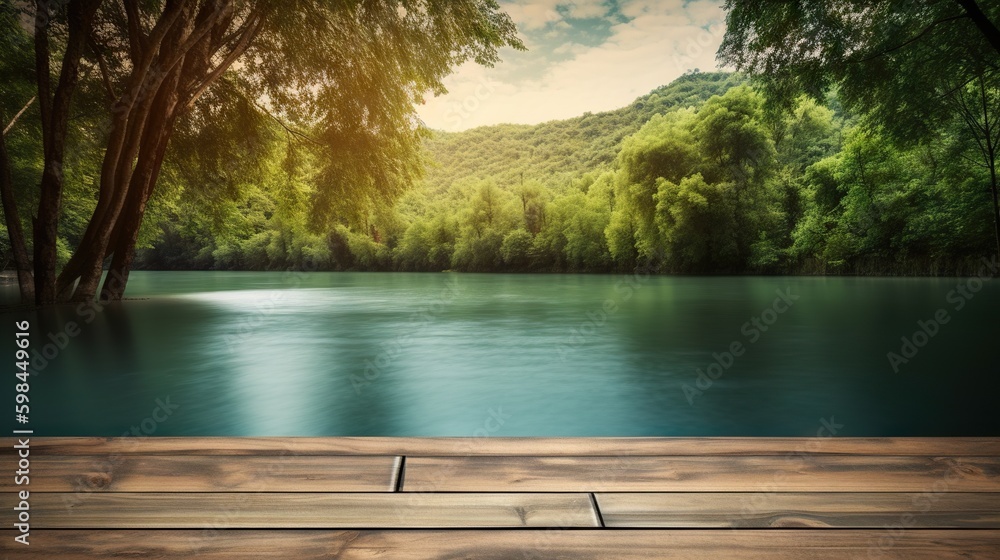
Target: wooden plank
point(580, 544)
point(509, 446)
point(813, 510)
point(820, 473)
point(192, 473)
point(312, 511)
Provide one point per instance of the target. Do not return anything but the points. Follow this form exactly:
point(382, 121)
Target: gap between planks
point(597, 509)
point(398, 487)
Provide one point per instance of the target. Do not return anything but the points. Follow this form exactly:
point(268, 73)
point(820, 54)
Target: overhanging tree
point(911, 68)
point(347, 71)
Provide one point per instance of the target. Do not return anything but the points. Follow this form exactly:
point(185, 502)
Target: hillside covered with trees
point(703, 175)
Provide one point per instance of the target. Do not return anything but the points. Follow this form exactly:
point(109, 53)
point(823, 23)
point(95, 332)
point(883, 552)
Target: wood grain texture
point(811, 510)
point(696, 498)
point(702, 474)
point(139, 473)
point(509, 446)
point(306, 511)
point(581, 544)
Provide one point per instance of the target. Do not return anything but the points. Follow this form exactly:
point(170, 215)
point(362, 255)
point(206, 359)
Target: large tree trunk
point(55, 117)
point(138, 182)
point(144, 117)
point(136, 117)
point(173, 65)
point(25, 279)
point(127, 227)
point(81, 275)
point(191, 77)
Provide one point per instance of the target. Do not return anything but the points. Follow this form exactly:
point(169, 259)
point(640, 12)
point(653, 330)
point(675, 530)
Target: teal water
point(311, 354)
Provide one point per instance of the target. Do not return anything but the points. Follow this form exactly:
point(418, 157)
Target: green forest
point(872, 153)
point(696, 177)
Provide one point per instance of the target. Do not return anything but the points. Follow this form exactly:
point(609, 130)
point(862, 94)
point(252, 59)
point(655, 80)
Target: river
point(394, 354)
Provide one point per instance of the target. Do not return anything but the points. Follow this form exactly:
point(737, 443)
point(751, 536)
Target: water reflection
point(438, 354)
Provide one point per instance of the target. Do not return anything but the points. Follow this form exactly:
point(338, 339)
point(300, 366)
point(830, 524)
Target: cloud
point(648, 43)
point(585, 10)
point(570, 48)
point(531, 15)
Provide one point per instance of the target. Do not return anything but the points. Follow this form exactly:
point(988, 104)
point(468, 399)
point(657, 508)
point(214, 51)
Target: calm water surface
point(258, 353)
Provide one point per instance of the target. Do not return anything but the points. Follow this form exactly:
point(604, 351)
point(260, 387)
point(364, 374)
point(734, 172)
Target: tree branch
point(971, 121)
point(241, 47)
point(973, 162)
point(43, 68)
point(105, 74)
point(281, 123)
point(10, 125)
point(15, 231)
point(197, 34)
point(136, 40)
point(910, 41)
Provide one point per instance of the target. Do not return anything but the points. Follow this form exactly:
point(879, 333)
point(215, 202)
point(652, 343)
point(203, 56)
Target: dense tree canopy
point(342, 76)
point(911, 69)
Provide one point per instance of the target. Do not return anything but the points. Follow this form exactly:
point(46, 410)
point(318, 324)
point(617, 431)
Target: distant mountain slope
point(555, 151)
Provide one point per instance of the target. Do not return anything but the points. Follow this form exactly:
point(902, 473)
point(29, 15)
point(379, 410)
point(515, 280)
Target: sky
point(583, 55)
